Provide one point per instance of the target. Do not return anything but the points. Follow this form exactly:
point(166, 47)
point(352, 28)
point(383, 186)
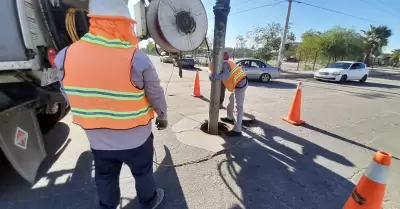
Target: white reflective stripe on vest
point(377, 173)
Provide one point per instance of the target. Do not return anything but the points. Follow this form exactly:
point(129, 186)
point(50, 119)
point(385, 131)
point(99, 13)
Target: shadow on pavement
point(276, 169)
point(74, 187)
point(167, 179)
point(192, 69)
point(369, 93)
point(372, 84)
point(273, 85)
point(9, 178)
point(54, 188)
point(386, 76)
point(247, 115)
point(333, 135)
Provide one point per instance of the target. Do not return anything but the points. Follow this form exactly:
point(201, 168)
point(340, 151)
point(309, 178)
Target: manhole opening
point(222, 128)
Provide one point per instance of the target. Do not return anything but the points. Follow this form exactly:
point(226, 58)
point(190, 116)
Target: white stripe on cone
point(377, 172)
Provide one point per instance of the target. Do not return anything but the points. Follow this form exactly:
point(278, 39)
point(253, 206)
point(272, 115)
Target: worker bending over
point(113, 90)
point(235, 81)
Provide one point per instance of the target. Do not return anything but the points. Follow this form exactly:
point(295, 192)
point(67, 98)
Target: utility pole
point(221, 11)
point(283, 41)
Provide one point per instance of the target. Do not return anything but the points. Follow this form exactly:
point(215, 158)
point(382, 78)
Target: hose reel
point(177, 25)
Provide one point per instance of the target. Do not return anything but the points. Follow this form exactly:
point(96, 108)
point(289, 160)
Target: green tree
point(267, 40)
point(241, 46)
point(240, 42)
point(311, 46)
point(151, 47)
point(341, 43)
point(336, 43)
point(395, 56)
point(374, 39)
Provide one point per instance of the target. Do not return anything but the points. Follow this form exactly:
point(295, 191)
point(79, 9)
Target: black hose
point(49, 17)
point(208, 47)
point(45, 20)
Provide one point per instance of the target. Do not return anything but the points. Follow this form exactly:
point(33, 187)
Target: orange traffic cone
point(196, 90)
point(295, 109)
point(370, 190)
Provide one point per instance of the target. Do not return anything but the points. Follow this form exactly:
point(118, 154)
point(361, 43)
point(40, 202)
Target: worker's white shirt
point(144, 76)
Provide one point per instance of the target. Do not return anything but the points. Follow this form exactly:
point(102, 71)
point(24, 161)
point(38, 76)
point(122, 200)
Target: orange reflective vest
point(98, 85)
point(236, 75)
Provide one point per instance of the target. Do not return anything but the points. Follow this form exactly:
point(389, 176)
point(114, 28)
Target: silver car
point(165, 58)
point(258, 70)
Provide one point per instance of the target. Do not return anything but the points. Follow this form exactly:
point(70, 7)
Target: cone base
point(297, 122)
point(197, 95)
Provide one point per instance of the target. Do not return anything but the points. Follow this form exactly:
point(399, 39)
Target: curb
point(296, 76)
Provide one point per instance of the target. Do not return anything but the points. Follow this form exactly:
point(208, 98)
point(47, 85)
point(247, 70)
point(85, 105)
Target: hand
point(161, 124)
point(214, 77)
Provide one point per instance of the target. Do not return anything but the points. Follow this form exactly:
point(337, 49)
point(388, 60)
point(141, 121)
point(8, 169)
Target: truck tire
point(47, 121)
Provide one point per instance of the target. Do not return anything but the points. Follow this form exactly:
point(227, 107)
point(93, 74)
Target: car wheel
point(363, 79)
point(47, 121)
point(343, 79)
point(265, 77)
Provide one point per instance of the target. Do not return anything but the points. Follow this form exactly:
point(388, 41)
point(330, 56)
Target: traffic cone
point(293, 116)
point(370, 190)
point(196, 89)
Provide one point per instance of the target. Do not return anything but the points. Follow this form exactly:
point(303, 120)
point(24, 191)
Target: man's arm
point(60, 57)
point(224, 74)
point(144, 75)
point(59, 62)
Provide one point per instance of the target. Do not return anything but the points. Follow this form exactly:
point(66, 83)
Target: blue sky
point(304, 17)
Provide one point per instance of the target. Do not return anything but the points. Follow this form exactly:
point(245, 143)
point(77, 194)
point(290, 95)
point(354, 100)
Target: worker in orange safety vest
point(235, 81)
point(114, 90)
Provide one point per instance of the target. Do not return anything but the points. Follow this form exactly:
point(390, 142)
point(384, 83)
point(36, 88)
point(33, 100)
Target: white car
point(343, 71)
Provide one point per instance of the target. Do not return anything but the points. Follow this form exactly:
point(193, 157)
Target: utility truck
point(31, 103)
point(33, 31)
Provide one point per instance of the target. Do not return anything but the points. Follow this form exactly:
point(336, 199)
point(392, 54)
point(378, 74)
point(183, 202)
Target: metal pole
point(221, 11)
point(283, 42)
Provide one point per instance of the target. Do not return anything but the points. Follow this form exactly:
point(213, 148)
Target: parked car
point(343, 71)
point(291, 59)
point(258, 70)
point(165, 58)
point(187, 61)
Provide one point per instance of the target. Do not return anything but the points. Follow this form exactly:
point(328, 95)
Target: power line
point(334, 11)
point(241, 2)
point(262, 6)
point(307, 4)
point(380, 7)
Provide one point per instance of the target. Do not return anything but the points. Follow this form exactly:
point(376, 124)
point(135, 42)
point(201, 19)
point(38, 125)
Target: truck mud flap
point(21, 140)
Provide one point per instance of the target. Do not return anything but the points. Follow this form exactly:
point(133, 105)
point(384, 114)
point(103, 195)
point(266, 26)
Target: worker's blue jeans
point(108, 165)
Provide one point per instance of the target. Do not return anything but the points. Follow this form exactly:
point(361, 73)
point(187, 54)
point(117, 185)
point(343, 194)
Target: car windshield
point(342, 65)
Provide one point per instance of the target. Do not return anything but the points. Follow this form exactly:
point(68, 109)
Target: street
point(315, 165)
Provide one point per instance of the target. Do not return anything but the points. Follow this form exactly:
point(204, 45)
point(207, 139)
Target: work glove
point(214, 77)
point(161, 123)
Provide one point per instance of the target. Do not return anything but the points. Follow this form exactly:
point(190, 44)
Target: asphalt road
point(282, 166)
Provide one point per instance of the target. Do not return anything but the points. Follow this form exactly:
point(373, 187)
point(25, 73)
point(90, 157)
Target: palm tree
point(375, 38)
point(395, 56)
